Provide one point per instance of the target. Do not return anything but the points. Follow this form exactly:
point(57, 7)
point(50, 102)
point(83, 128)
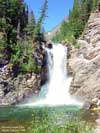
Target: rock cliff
point(85, 63)
point(14, 88)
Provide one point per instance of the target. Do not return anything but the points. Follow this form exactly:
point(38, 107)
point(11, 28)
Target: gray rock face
point(85, 63)
point(13, 91)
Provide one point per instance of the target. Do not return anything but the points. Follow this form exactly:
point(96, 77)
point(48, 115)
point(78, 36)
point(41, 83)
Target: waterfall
point(56, 90)
point(59, 82)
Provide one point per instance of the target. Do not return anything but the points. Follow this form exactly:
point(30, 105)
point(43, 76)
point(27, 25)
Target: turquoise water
point(60, 119)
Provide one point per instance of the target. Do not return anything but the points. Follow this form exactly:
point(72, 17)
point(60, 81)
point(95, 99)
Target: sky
point(57, 11)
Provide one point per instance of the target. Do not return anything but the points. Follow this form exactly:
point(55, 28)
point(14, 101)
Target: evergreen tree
point(12, 23)
point(29, 29)
point(16, 22)
point(31, 18)
point(39, 23)
point(12, 18)
point(77, 20)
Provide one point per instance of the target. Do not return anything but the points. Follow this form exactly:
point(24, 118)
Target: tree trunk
point(18, 30)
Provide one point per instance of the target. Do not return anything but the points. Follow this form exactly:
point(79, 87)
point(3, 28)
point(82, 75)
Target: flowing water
point(56, 90)
point(59, 81)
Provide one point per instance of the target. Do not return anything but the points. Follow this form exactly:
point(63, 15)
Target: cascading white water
point(56, 91)
point(59, 82)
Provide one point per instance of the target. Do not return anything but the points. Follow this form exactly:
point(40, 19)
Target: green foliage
point(30, 66)
point(2, 44)
point(12, 14)
point(94, 4)
point(26, 62)
point(17, 54)
point(19, 25)
point(78, 17)
point(29, 29)
point(77, 46)
point(38, 25)
point(70, 39)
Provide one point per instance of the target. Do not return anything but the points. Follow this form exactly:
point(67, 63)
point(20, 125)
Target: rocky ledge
point(13, 91)
point(85, 63)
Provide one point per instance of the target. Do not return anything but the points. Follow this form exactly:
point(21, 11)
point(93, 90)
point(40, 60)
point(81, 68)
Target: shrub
point(30, 66)
point(77, 46)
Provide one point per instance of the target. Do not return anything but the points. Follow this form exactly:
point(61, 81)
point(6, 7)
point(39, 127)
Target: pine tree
point(31, 18)
point(31, 24)
point(74, 19)
point(12, 18)
point(39, 23)
point(77, 20)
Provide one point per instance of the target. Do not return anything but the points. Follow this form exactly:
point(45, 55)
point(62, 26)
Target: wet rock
point(87, 105)
point(9, 99)
point(28, 92)
point(3, 61)
point(1, 93)
point(19, 97)
point(9, 88)
point(69, 50)
point(44, 75)
point(49, 44)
